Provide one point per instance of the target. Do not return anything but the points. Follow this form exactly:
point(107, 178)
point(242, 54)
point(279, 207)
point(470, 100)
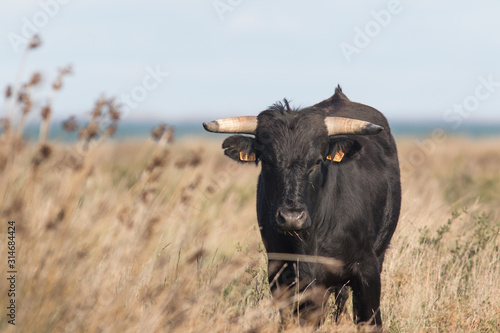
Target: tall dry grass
point(150, 237)
point(144, 236)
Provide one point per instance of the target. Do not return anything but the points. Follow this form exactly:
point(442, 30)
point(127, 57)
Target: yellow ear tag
point(247, 157)
point(339, 155)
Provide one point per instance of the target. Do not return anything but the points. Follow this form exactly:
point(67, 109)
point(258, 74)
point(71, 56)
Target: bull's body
point(344, 208)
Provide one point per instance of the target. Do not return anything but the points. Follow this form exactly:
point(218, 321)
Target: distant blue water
point(137, 130)
point(473, 130)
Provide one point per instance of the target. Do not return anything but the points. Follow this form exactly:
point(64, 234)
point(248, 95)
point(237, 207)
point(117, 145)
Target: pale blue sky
point(420, 61)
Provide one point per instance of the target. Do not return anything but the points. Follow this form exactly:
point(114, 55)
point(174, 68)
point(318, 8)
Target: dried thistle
point(147, 194)
point(194, 184)
point(72, 161)
point(170, 135)
point(21, 95)
point(93, 130)
point(185, 198)
point(28, 104)
point(154, 176)
point(46, 111)
point(181, 163)
point(43, 152)
point(124, 214)
point(113, 112)
point(210, 189)
point(83, 135)
point(158, 131)
point(99, 104)
point(35, 42)
point(66, 70)
point(163, 131)
point(150, 224)
point(90, 132)
point(197, 256)
point(8, 92)
point(195, 159)
point(158, 161)
point(35, 79)
point(70, 125)
point(57, 85)
point(111, 130)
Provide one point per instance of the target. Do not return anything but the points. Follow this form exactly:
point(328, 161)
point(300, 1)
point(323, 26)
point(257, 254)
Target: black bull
point(327, 205)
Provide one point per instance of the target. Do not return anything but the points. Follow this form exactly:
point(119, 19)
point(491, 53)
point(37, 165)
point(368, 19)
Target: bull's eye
point(316, 165)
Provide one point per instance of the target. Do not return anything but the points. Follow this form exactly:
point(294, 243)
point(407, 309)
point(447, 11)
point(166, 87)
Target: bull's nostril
point(291, 218)
point(282, 218)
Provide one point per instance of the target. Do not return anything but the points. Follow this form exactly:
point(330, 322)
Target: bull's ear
point(342, 150)
point(240, 148)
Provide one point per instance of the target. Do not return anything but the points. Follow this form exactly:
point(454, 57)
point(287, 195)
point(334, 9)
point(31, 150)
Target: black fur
point(353, 205)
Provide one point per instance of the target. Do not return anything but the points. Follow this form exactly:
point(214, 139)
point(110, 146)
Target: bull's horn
point(244, 125)
point(338, 125)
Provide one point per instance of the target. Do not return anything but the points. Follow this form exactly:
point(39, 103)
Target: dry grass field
point(143, 236)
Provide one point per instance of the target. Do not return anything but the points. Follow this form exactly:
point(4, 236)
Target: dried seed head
point(158, 131)
point(43, 152)
point(46, 111)
point(93, 130)
point(158, 161)
point(210, 189)
point(170, 135)
point(8, 91)
point(72, 161)
point(99, 104)
point(147, 194)
point(114, 107)
point(57, 85)
point(194, 184)
point(70, 125)
point(35, 79)
point(195, 159)
point(21, 95)
point(181, 164)
point(114, 114)
point(83, 135)
point(154, 176)
point(111, 130)
point(66, 70)
point(35, 42)
point(196, 256)
point(185, 198)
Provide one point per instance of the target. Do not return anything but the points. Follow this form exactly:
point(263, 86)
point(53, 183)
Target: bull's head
point(294, 149)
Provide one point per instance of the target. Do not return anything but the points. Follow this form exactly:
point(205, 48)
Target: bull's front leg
point(366, 292)
point(299, 298)
point(281, 276)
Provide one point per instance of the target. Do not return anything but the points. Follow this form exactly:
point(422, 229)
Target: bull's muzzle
point(292, 218)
